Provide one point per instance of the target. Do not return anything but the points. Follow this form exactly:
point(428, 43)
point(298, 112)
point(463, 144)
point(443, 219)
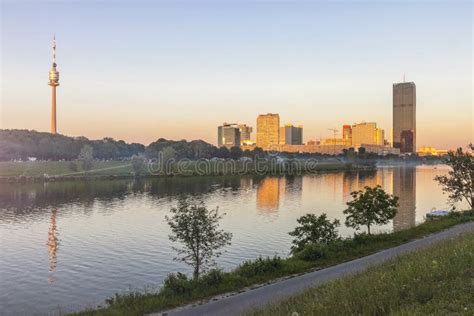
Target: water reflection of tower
point(268, 194)
point(404, 186)
point(52, 244)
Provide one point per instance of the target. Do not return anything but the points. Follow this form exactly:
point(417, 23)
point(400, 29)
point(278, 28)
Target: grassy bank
point(61, 168)
point(178, 289)
point(73, 169)
point(434, 281)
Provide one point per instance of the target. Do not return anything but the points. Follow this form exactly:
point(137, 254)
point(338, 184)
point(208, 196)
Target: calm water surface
point(66, 246)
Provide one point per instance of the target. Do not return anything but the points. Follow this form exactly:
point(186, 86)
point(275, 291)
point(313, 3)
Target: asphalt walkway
point(240, 303)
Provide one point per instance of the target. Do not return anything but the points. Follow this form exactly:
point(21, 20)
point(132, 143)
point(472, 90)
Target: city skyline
point(98, 100)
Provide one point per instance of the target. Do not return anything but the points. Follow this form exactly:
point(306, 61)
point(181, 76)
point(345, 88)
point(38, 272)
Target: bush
point(177, 284)
point(313, 229)
point(259, 266)
point(127, 301)
point(312, 252)
point(212, 278)
point(362, 238)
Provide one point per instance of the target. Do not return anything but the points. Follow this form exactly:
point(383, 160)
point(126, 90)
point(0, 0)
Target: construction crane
point(334, 130)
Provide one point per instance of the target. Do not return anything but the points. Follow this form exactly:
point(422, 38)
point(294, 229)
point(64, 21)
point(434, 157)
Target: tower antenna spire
point(403, 77)
point(54, 50)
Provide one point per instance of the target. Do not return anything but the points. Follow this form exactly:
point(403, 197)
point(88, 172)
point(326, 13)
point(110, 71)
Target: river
point(69, 245)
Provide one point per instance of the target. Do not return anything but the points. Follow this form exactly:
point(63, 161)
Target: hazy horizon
point(143, 71)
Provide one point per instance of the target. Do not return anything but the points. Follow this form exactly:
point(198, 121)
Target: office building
point(268, 131)
point(245, 134)
point(291, 135)
point(347, 134)
point(366, 133)
point(404, 117)
point(228, 135)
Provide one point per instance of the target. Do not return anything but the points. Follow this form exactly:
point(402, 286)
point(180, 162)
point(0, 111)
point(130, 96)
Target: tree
point(235, 152)
point(223, 152)
point(371, 206)
point(168, 155)
point(138, 165)
point(459, 182)
point(314, 229)
point(197, 229)
point(85, 156)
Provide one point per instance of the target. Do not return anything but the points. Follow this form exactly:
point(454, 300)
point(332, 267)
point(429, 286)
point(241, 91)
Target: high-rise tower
point(268, 131)
point(53, 82)
point(404, 117)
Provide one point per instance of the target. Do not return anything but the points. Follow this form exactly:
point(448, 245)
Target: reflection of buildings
point(357, 181)
point(404, 186)
point(268, 194)
point(52, 245)
point(400, 182)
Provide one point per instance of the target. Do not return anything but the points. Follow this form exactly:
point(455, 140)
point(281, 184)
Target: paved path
point(242, 302)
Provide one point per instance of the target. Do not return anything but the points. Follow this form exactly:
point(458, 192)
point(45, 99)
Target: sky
point(142, 70)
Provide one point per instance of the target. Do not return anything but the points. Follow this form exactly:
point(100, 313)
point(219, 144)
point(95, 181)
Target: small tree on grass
point(314, 229)
point(86, 157)
point(459, 182)
point(138, 165)
point(369, 207)
point(197, 229)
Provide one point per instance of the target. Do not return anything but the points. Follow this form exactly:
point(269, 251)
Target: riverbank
point(180, 290)
point(434, 280)
point(52, 171)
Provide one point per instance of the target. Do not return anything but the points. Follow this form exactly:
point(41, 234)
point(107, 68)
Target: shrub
point(362, 238)
point(259, 266)
point(314, 229)
point(177, 284)
point(212, 278)
point(312, 252)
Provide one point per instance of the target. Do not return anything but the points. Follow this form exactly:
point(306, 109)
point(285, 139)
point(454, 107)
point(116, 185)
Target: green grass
point(61, 168)
point(438, 280)
point(123, 168)
point(179, 290)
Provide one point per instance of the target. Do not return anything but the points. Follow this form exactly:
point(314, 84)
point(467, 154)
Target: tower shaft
point(53, 110)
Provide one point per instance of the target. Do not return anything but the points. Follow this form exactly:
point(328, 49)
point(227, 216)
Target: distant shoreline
point(57, 171)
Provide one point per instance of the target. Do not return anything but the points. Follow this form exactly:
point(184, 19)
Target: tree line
point(23, 144)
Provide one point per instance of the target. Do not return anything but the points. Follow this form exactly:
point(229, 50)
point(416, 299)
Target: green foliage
point(197, 229)
point(21, 144)
point(139, 164)
point(260, 266)
point(311, 252)
point(314, 229)
point(73, 166)
point(369, 207)
point(213, 277)
point(235, 153)
point(262, 270)
point(432, 281)
point(459, 182)
point(195, 149)
point(177, 284)
point(86, 158)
